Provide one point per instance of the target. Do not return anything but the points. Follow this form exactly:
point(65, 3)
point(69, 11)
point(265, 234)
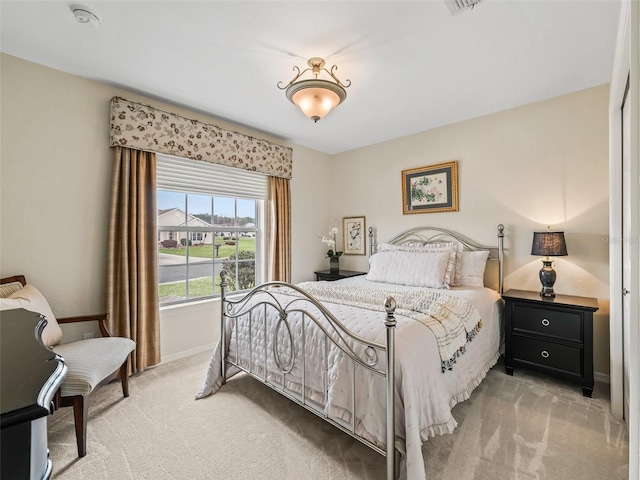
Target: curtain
point(132, 270)
point(279, 229)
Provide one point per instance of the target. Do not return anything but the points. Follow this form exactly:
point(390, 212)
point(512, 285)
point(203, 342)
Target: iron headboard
point(424, 235)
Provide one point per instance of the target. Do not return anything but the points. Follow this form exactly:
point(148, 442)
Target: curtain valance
point(139, 126)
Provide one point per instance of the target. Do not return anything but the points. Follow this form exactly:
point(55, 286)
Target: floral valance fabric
point(138, 126)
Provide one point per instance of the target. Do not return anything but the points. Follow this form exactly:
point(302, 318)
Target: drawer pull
point(545, 322)
point(544, 354)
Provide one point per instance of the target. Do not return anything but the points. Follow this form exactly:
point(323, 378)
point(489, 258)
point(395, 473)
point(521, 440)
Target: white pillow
point(416, 269)
point(454, 249)
point(470, 268)
point(413, 247)
point(31, 299)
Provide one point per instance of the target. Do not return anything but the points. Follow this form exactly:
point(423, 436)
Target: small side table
point(330, 277)
point(551, 335)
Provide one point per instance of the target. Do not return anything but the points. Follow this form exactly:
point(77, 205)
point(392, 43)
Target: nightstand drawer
point(554, 323)
point(564, 358)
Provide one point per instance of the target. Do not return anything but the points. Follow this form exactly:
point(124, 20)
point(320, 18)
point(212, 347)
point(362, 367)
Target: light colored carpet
point(521, 427)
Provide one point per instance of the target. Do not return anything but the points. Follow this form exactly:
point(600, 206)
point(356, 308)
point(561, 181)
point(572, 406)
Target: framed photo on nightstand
point(354, 229)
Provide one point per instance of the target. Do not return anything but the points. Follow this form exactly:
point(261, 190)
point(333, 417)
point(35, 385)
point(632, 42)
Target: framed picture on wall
point(430, 189)
point(354, 230)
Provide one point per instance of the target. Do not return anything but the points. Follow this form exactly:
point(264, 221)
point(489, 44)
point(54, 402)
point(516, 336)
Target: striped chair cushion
point(9, 288)
point(91, 361)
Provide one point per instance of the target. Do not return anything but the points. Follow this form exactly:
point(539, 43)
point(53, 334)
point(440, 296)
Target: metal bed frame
point(242, 309)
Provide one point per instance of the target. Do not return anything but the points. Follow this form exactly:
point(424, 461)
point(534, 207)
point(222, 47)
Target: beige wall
point(528, 167)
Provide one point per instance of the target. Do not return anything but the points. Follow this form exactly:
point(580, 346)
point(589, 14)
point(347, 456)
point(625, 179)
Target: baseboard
point(601, 377)
point(187, 353)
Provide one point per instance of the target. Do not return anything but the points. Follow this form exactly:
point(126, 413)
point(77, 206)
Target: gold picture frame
point(354, 231)
point(430, 189)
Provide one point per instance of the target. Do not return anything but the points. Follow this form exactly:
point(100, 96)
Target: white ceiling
point(413, 65)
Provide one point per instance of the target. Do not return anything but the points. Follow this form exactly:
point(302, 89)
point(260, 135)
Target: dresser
point(550, 335)
point(30, 375)
point(328, 276)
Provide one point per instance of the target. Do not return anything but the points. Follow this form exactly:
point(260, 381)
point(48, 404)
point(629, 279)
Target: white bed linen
point(424, 395)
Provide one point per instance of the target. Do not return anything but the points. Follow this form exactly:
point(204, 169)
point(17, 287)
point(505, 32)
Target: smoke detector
point(85, 16)
point(457, 6)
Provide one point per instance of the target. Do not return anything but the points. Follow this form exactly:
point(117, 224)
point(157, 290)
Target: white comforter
point(424, 395)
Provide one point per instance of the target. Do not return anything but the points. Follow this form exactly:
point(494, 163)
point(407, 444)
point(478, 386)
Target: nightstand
point(551, 335)
point(330, 277)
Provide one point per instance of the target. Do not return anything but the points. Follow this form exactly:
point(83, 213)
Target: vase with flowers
point(332, 254)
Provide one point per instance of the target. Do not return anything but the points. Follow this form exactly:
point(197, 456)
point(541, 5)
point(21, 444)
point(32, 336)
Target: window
point(210, 219)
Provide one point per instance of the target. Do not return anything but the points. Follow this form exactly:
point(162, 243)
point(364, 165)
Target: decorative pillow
point(416, 269)
point(470, 268)
point(31, 299)
point(9, 288)
point(454, 249)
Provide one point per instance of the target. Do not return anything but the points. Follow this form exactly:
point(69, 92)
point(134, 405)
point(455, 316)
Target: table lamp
point(548, 244)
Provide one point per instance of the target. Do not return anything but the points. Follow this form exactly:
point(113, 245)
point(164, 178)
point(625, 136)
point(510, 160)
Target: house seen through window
point(205, 227)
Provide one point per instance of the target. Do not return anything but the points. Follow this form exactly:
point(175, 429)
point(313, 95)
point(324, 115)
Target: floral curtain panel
point(138, 126)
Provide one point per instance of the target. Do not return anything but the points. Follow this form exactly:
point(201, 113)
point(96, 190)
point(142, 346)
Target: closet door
point(624, 248)
point(627, 232)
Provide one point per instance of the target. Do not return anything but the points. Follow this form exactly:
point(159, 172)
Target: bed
point(383, 357)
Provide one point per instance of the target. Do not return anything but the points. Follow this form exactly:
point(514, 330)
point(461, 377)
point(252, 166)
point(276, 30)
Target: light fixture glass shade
point(316, 98)
point(549, 244)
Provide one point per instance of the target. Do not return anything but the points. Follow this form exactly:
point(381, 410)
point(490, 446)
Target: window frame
point(255, 231)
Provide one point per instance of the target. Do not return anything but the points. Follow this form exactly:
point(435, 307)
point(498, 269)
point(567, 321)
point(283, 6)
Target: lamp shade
point(549, 244)
point(316, 98)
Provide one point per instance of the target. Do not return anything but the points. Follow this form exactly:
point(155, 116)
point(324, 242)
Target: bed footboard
point(272, 355)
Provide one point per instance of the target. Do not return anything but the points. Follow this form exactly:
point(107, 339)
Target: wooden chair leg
point(57, 400)
point(80, 415)
point(124, 377)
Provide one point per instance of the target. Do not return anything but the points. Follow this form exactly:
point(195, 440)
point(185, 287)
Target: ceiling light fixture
point(85, 16)
point(316, 97)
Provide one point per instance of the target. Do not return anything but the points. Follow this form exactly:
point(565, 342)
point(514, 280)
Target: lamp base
point(547, 278)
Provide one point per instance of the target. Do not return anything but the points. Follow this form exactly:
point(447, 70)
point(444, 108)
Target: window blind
point(193, 176)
